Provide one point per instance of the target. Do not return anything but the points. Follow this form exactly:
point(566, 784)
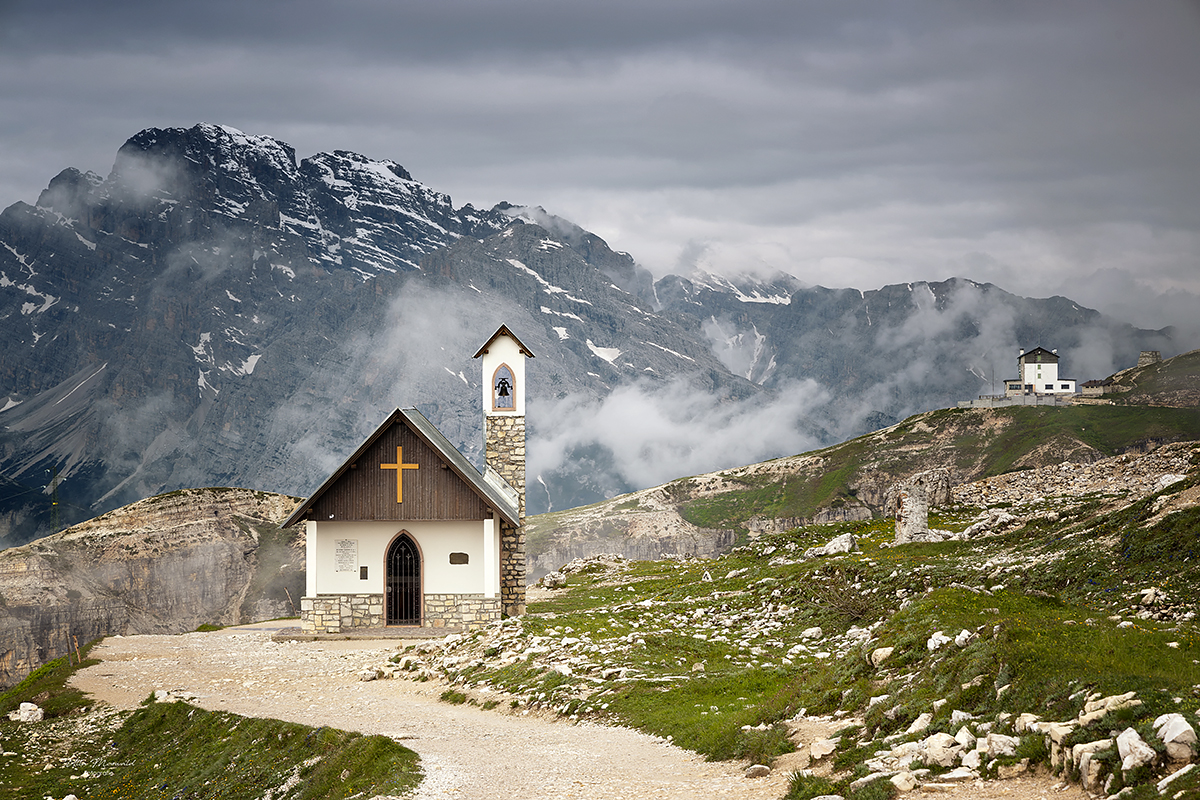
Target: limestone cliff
point(167, 564)
point(704, 514)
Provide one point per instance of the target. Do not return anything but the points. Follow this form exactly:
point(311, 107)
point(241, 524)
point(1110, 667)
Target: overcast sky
point(1047, 147)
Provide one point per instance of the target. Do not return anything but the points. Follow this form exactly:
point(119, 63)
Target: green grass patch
point(177, 750)
point(1043, 649)
point(453, 696)
point(47, 686)
point(173, 750)
point(707, 713)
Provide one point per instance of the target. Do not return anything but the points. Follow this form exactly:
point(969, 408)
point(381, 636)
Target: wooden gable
point(405, 471)
point(1039, 355)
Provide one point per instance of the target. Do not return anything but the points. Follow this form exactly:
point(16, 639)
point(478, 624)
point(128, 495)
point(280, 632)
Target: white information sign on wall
point(345, 555)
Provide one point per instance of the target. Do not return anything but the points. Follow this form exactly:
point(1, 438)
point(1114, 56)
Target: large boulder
point(909, 502)
point(1133, 750)
point(1178, 735)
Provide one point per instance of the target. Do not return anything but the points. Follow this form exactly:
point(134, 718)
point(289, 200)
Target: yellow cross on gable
point(399, 466)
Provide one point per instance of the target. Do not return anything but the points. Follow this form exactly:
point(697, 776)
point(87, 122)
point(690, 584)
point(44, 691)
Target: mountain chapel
point(407, 532)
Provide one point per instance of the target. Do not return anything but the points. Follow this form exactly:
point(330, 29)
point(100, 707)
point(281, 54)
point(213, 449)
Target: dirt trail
point(467, 753)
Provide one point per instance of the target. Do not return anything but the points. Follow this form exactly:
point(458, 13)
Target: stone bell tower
point(504, 391)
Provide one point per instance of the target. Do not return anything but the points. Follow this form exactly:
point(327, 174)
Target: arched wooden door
point(403, 600)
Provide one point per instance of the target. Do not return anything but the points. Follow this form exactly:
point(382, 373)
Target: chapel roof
point(492, 489)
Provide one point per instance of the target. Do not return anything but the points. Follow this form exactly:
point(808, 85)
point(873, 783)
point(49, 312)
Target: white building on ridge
point(1037, 373)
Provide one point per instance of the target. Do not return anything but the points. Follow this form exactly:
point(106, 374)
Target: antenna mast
point(55, 522)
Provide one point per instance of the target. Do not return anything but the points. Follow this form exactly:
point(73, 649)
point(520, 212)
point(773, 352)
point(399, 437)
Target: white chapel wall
point(435, 539)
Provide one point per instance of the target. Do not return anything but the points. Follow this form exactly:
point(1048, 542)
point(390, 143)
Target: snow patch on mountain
point(248, 365)
point(606, 353)
point(47, 300)
point(81, 383)
point(669, 350)
point(204, 385)
point(201, 350)
point(566, 314)
point(741, 351)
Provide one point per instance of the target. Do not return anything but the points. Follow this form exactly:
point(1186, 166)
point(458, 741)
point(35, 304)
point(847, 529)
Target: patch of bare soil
point(466, 752)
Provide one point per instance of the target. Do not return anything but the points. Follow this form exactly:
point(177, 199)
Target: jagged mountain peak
point(618, 266)
point(224, 314)
point(747, 287)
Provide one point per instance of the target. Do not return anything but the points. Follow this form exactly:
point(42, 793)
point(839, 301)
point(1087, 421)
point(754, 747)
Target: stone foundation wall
point(337, 613)
point(460, 610)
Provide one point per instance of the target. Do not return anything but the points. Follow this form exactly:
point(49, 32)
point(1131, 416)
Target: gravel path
point(467, 753)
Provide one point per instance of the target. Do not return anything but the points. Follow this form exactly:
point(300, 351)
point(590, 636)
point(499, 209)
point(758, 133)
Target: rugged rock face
point(689, 541)
point(167, 564)
point(215, 312)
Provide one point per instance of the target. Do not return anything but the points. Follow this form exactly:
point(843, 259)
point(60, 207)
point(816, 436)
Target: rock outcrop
point(166, 564)
point(909, 502)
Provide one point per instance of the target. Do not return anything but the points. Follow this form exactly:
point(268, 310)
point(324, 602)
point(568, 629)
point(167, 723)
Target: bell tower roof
point(504, 331)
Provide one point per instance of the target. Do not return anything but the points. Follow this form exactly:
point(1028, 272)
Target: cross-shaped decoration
point(399, 466)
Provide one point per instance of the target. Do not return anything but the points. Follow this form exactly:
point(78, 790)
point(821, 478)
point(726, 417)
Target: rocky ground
point(466, 752)
point(535, 691)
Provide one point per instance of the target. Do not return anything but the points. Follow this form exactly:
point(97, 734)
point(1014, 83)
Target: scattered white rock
point(822, 748)
point(999, 745)
point(1024, 721)
point(863, 781)
point(1179, 773)
point(1100, 707)
point(920, 723)
point(937, 641)
point(1134, 752)
point(959, 775)
point(1007, 771)
point(27, 712)
point(758, 771)
point(846, 543)
point(880, 654)
point(965, 738)
point(1178, 735)
point(941, 750)
point(554, 580)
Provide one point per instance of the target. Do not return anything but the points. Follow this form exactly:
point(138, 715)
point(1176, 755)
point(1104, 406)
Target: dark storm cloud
point(1031, 144)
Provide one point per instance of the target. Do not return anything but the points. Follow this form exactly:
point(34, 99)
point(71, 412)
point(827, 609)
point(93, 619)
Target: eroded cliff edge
point(166, 564)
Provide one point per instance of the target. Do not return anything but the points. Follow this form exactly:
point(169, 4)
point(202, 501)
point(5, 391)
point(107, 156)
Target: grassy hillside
point(852, 478)
point(1158, 404)
point(971, 443)
point(722, 655)
point(1173, 382)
